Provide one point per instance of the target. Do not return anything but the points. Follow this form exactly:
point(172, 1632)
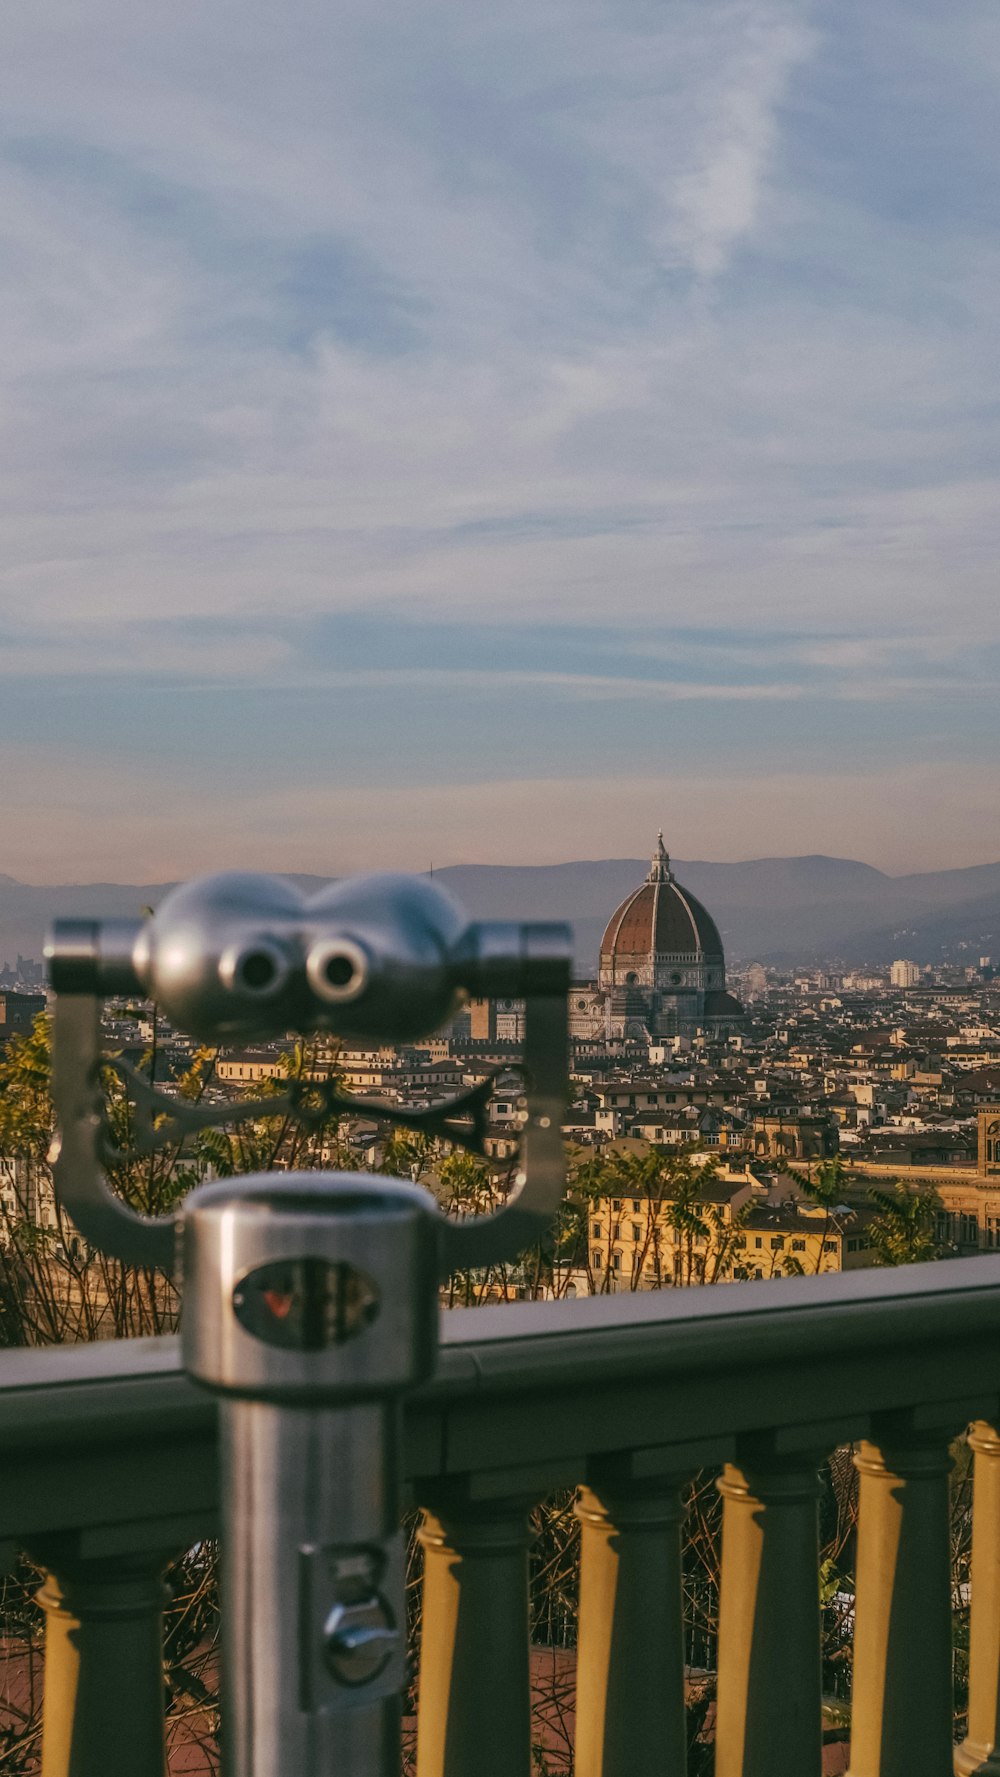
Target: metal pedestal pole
point(313, 1611)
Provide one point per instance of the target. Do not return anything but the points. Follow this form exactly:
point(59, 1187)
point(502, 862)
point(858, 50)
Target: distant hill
point(780, 910)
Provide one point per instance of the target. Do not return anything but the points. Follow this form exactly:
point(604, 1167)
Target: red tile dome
point(660, 919)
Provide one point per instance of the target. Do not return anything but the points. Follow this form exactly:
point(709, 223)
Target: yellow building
point(245, 1067)
point(989, 1141)
point(969, 1198)
point(734, 1232)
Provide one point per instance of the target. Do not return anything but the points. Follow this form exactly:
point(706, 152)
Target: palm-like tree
point(904, 1230)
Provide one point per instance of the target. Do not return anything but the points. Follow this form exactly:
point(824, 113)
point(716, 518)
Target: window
point(758, 1242)
point(597, 1261)
point(616, 1203)
point(635, 1207)
point(740, 1242)
point(829, 1246)
point(616, 1261)
point(777, 1243)
point(595, 1229)
point(798, 1246)
point(636, 1231)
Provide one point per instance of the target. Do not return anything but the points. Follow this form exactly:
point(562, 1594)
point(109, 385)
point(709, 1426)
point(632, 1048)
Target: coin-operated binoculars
point(310, 1300)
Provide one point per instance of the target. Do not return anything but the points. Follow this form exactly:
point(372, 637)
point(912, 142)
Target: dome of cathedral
point(660, 919)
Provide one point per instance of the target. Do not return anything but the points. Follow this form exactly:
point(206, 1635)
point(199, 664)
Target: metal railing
point(109, 1467)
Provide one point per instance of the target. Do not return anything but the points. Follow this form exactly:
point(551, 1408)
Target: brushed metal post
point(310, 1307)
point(307, 1488)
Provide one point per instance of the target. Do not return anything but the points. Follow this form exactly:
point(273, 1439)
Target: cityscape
point(500, 894)
point(760, 1077)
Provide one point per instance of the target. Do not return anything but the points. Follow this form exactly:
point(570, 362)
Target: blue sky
point(444, 433)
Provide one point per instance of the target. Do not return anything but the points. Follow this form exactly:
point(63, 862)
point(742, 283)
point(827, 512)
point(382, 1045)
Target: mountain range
point(785, 911)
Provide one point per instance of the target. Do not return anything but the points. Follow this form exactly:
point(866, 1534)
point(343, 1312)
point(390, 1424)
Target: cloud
point(717, 203)
point(613, 319)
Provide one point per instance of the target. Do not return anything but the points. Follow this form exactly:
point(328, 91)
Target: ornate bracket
point(384, 958)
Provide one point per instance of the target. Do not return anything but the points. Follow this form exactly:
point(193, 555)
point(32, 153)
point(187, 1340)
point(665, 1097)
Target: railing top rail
point(114, 1442)
point(111, 1390)
point(735, 1326)
point(102, 1391)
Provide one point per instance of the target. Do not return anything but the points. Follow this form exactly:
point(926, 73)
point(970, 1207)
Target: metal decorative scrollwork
point(161, 1122)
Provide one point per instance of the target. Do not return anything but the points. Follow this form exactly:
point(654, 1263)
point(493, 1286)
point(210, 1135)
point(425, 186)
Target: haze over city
point(443, 435)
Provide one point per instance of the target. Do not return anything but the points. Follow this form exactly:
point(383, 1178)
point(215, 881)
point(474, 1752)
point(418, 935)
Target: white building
point(904, 974)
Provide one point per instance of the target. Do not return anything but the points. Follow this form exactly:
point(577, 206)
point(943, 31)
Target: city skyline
point(434, 437)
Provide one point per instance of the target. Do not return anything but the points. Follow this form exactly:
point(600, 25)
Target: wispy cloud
point(717, 203)
point(622, 321)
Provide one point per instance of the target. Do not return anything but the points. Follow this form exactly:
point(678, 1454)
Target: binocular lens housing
point(338, 970)
point(257, 970)
point(234, 957)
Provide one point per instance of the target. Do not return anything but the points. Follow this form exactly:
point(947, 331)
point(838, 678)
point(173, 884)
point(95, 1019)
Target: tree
point(825, 1184)
point(671, 1190)
point(904, 1230)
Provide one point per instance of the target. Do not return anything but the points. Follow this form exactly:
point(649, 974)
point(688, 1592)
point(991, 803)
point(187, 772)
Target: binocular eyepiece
point(239, 956)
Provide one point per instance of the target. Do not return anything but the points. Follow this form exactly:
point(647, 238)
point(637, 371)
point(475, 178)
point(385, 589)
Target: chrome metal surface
point(397, 933)
point(384, 957)
point(76, 1153)
point(378, 1228)
point(310, 1303)
point(93, 956)
point(310, 1300)
point(312, 1557)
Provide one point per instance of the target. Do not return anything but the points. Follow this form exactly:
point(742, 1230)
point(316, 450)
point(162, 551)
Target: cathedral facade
point(661, 972)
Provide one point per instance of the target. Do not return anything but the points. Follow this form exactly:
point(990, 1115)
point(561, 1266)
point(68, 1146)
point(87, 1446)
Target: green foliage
point(904, 1229)
point(407, 1153)
point(826, 1183)
point(25, 1093)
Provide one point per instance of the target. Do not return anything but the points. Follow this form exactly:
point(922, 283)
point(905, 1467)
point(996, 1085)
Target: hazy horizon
point(516, 863)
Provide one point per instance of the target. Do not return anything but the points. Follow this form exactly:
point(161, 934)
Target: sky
point(437, 433)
